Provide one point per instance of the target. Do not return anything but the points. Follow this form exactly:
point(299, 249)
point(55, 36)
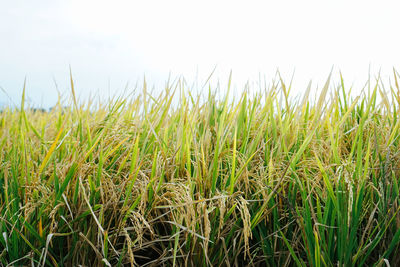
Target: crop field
point(183, 179)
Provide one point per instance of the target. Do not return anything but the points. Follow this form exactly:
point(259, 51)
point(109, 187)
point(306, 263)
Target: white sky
point(108, 43)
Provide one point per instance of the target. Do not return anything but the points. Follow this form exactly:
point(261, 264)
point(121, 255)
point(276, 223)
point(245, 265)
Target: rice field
point(176, 179)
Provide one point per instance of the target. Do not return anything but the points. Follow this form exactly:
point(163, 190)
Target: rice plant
point(178, 179)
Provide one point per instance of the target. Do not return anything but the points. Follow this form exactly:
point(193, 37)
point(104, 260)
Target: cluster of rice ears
point(181, 180)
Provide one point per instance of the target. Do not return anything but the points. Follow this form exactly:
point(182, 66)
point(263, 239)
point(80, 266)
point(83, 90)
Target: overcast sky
point(110, 43)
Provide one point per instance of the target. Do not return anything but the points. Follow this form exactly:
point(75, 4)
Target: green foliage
point(258, 180)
